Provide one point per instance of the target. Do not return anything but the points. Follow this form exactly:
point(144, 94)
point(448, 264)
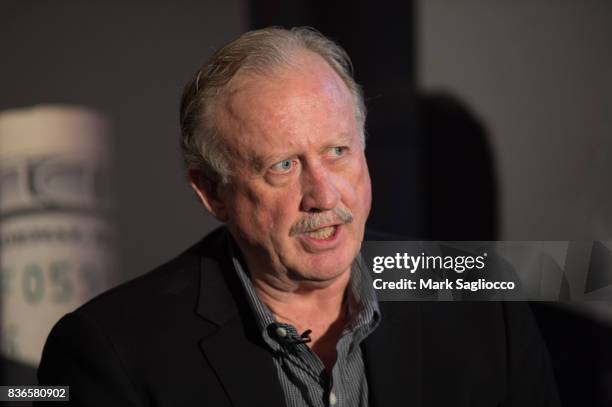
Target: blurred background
point(489, 119)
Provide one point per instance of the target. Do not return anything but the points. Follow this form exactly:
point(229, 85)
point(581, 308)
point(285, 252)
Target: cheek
point(366, 188)
point(262, 214)
point(248, 214)
point(281, 214)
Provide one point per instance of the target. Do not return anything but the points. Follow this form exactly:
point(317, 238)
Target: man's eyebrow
point(343, 138)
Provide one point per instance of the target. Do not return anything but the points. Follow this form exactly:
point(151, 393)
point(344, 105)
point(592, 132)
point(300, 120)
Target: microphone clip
point(305, 337)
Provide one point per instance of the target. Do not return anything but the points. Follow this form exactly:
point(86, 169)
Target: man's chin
point(324, 269)
point(316, 280)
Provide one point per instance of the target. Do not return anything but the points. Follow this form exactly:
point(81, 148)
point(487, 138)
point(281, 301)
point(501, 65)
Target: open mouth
point(323, 233)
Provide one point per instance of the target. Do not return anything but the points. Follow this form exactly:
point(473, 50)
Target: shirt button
point(281, 332)
point(332, 399)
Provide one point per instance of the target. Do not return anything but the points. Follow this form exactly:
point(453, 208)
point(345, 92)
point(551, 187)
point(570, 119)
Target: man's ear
point(208, 193)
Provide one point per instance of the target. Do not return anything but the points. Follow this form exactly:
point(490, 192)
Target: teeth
point(322, 233)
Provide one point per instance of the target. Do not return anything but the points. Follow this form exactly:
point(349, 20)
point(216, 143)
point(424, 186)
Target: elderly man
point(276, 308)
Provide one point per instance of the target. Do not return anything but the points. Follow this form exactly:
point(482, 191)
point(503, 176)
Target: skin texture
point(298, 162)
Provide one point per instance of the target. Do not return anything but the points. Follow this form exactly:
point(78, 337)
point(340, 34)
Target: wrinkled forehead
point(304, 102)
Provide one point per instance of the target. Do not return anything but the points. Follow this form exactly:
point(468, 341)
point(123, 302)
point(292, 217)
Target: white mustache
point(318, 220)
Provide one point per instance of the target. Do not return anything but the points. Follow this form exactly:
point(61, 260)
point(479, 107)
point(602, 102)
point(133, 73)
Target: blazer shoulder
point(170, 288)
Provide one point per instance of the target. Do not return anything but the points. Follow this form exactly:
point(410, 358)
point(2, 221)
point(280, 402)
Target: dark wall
point(129, 60)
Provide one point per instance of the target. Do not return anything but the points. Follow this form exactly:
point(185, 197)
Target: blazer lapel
point(392, 356)
point(235, 350)
point(245, 369)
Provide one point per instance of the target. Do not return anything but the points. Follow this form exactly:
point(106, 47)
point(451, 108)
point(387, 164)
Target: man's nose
point(319, 191)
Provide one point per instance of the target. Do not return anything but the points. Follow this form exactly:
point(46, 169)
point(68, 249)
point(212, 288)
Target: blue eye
point(338, 151)
point(283, 166)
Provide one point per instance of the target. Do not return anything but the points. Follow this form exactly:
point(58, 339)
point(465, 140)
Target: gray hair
point(254, 51)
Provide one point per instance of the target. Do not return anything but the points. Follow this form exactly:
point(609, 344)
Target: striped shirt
point(301, 372)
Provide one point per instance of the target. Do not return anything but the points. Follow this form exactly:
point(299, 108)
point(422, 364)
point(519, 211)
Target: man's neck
point(319, 309)
point(302, 304)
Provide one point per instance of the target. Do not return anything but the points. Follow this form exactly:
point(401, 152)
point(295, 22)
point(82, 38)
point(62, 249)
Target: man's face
point(300, 192)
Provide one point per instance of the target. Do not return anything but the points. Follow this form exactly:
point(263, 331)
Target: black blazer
point(184, 335)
